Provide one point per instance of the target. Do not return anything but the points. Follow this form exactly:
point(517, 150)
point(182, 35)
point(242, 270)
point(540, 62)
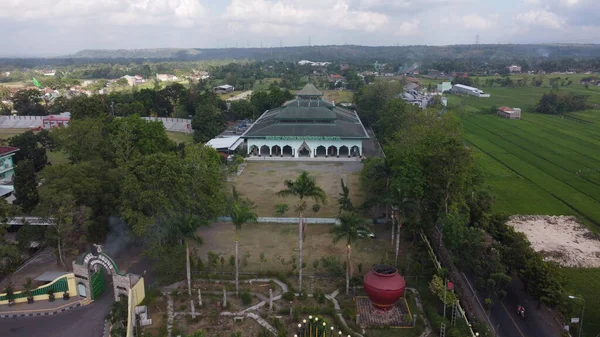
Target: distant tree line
point(554, 103)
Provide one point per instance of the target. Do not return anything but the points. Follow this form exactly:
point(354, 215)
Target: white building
point(223, 89)
point(514, 68)
point(307, 126)
point(467, 90)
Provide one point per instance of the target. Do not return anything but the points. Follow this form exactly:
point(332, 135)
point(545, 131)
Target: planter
point(384, 286)
point(51, 297)
point(29, 299)
point(11, 303)
point(66, 296)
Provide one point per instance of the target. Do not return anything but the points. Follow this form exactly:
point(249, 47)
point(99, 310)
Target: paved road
point(85, 321)
point(504, 316)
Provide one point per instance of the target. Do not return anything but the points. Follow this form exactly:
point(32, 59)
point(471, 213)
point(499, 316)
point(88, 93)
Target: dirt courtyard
point(279, 241)
point(260, 182)
point(561, 239)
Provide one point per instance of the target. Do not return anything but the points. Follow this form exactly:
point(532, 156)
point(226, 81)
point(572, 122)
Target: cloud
point(478, 22)
point(410, 27)
point(120, 12)
point(541, 18)
point(290, 13)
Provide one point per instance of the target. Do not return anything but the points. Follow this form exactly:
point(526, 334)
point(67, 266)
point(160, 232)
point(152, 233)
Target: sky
point(62, 27)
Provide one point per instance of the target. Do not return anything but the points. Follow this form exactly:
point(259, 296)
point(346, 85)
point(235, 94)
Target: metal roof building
point(307, 126)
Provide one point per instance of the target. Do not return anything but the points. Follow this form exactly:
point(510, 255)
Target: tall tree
point(85, 139)
point(70, 222)
point(82, 107)
point(31, 147)
point(183, 228)
point(350, 229)
point(207, 123)
point(344, 199)
point(28, 103)
point(241, 213)
point(26, 192)
point(303, 187)
point(403, 206)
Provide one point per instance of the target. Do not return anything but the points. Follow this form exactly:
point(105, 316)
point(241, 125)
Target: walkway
point(39, 308)
point(85, 321)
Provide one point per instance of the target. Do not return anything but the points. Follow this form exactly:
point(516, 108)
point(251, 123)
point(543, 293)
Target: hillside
point(354, 53)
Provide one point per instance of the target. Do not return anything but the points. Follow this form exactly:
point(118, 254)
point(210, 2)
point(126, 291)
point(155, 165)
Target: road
point(85, 321)
point(503, 315)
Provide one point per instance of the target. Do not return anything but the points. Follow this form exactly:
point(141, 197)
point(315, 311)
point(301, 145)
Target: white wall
point(296, 144)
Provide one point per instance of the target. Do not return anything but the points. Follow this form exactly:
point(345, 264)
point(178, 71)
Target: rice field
point(539, 165)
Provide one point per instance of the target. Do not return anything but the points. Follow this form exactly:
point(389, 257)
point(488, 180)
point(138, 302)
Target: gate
point(98, 284)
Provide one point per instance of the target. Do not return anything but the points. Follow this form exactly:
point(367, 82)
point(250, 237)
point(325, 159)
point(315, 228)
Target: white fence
point(288, 220)
point(21, 122)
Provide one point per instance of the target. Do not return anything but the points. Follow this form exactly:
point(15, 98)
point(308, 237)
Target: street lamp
point(582, 311)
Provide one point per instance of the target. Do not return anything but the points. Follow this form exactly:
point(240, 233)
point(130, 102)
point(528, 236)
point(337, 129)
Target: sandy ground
point(561, 239)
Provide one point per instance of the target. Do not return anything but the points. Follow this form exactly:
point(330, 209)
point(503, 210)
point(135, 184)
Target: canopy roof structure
point(308, 116)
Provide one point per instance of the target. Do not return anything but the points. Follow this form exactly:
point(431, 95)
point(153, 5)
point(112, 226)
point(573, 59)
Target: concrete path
point(170, 315)
point(305, 159)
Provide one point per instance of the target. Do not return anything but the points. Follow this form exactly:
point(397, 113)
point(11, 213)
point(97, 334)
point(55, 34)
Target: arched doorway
point(265, 151)
point(93, 271)
point(321, 151)
point(344, 151)
point(276, 150)
point(332, 151)
point(253, 150)
point(287, 151)
point(355, 151)
point(304, 150)
point(81, 289)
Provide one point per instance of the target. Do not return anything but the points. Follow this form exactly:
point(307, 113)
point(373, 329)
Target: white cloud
point(410, 27)
point(541, 18)
point(124, 12)
point(328, 13)
point(478, 22)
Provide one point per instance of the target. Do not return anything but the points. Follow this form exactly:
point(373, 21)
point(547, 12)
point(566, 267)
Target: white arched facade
point(298, 147)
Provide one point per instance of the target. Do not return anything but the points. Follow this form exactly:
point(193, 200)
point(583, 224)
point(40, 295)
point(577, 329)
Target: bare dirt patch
point(261, 181)
point(278, 241)
point(560, 238)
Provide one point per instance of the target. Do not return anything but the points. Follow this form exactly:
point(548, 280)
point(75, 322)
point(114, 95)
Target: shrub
point(334, 266)
point(246, 298)
point(288, 296)
point(280, 209)
point(349, 313)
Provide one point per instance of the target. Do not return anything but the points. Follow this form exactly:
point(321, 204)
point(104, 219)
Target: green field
point(585, 283)
point(539, 165)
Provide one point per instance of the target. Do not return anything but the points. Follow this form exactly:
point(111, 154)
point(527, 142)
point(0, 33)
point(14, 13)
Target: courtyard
point(260, 182)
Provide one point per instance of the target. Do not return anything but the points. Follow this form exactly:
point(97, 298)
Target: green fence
point(98, 284)
point(58, 286)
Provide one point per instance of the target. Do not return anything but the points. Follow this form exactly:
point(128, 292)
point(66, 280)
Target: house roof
point(505, 108)
point(4, 150)
point(230, 143)
point(308, 118)
point(309, 90)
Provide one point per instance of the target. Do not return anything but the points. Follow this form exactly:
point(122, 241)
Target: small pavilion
point(307, 126)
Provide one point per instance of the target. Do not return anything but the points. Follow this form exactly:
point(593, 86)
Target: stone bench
point(238, 319)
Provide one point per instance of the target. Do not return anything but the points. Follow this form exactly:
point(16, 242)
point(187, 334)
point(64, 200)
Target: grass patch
point(338, 96)
point(180, 137)
point(265, 83)
point(7, 133)
point(584, 282)
point(261, 181)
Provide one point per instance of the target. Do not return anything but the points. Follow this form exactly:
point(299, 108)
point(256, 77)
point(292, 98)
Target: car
point(366, 233)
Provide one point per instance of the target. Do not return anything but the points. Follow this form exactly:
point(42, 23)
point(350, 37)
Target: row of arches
point(305, 151)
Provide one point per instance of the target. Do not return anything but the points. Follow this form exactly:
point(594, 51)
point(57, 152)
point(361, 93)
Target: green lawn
point(585, 283)
point(264, 83)
point(180, 137)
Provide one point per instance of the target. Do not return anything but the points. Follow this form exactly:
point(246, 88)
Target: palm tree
point(183, 230)
point(402, 207)
point(350, 228)
point(303, 187)
point(241, 213)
